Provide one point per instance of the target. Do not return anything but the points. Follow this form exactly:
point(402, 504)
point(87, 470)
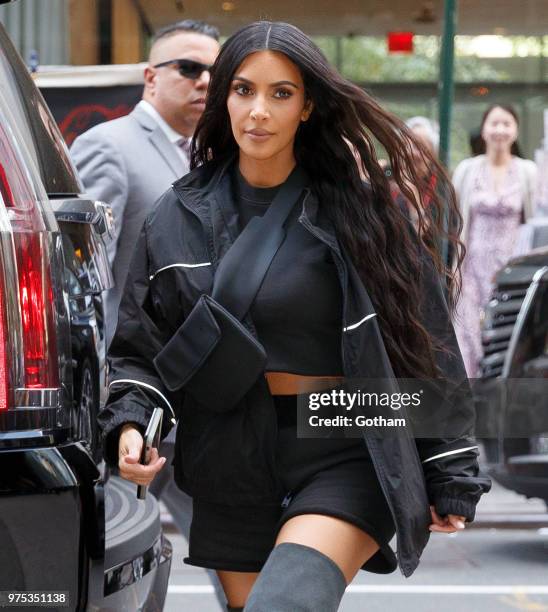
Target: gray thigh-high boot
point(297, 578)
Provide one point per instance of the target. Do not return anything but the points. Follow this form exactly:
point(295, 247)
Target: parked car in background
point(64, 524)
point(513, 390)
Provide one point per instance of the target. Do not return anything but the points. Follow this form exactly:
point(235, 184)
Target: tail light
point(37, 313)
point(30, 390)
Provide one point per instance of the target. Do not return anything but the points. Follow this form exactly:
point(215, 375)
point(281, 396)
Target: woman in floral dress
point(495, 193)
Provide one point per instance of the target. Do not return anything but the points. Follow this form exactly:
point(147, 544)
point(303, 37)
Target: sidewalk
point(504, 509)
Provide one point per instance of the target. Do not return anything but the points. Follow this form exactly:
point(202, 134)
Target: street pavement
point(498, 563)
point(502, 508)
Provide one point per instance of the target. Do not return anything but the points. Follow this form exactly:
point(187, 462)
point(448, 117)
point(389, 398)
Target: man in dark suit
point(131, 161)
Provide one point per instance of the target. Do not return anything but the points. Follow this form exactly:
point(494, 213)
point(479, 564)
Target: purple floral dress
point(491, 237)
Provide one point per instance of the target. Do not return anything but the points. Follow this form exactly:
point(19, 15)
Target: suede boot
point(297, 578)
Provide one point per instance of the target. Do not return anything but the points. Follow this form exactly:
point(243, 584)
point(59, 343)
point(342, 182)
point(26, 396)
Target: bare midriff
point(285, 383)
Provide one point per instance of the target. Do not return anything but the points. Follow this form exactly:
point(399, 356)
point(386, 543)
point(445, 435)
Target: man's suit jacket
point(127, 163)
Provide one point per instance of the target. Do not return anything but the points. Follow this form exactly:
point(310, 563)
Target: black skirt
point(333, 477)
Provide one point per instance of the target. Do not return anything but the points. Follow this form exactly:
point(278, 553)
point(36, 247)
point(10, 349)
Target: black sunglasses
point(187, 68)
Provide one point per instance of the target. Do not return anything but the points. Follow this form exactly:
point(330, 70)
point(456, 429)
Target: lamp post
point(446, 95)
point(446, 81)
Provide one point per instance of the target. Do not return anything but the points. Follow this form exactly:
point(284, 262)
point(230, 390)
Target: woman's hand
point(129, 451)
point(449, 524)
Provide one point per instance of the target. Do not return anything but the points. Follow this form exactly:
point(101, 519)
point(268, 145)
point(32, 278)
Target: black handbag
point(212, 355)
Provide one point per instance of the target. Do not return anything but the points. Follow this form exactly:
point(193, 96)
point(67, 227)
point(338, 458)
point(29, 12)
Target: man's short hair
point(188, 25)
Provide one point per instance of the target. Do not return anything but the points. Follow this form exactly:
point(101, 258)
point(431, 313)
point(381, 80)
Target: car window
point(34, 120)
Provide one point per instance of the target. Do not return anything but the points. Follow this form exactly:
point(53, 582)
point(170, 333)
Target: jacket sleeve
point(450, 459)
point(134, 386)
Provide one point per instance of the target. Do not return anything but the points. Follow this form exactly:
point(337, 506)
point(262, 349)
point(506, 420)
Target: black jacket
point(229, 458)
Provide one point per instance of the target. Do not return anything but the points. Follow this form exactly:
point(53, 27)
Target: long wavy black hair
point(337, 139)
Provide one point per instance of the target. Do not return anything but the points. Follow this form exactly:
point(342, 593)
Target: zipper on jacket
point(341, 265)
point(286, 500)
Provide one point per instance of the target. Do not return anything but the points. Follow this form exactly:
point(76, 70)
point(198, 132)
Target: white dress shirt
point(181, 144)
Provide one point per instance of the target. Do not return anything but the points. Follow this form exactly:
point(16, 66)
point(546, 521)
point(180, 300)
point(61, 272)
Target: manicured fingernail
point(460, 524)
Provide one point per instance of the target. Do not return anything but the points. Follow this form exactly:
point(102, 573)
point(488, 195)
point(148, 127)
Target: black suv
point(64, 526)
point(513, 390)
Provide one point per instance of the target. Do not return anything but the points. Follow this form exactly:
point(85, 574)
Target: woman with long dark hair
point(496, 196)
point(353, 291)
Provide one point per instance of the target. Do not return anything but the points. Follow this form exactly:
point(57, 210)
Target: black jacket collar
point(198, 189)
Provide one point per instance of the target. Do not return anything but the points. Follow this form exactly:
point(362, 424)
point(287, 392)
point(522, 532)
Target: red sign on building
point(400, 42)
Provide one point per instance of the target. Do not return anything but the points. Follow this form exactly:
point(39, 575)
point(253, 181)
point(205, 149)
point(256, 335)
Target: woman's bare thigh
point(345, 544)
point(236, 586)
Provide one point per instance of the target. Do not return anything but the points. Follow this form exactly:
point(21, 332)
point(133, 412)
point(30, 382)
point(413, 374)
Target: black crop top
point(298, 309)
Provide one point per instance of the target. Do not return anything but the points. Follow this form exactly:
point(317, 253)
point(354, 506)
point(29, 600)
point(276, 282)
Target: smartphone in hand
point(150, 441)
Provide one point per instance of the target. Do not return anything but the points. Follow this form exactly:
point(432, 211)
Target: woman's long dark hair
point(343, 126)
point(515, 150)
